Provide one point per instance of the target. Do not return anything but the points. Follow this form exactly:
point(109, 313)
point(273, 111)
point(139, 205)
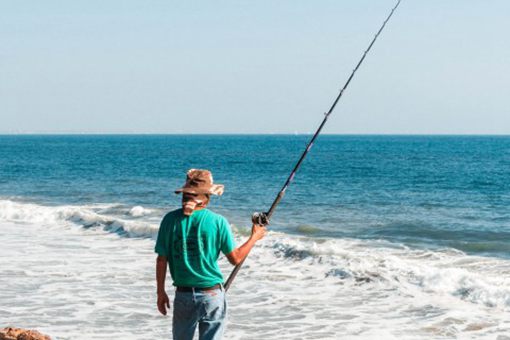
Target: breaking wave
point(445, 272)
point(86, 216)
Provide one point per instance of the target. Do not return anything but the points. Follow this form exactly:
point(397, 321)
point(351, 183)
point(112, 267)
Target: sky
point(95, 66)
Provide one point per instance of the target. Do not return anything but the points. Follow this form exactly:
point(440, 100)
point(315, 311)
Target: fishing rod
point(263, 218)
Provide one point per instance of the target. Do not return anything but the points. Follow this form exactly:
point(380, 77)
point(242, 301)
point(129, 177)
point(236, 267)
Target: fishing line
point(263, 218)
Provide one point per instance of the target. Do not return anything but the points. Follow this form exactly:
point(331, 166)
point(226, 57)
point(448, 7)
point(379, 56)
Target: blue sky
point(440, 67)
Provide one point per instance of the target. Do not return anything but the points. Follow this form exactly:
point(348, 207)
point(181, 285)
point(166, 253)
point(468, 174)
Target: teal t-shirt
point(192, 245)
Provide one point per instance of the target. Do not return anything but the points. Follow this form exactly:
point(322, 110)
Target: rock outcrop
point(10, 333)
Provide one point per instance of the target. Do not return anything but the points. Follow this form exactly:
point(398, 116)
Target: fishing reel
point(260, 218)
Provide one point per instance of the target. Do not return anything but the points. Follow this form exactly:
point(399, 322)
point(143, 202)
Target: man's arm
point(163, 301)
point(240, 253)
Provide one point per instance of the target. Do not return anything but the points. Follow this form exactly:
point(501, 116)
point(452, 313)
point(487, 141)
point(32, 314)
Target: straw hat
point(200, 182)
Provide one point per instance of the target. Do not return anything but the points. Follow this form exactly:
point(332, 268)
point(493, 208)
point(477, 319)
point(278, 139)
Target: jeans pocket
point(214, 305)
point(183, 306)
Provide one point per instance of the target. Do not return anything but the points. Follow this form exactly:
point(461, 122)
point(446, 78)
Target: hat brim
point(215, 189)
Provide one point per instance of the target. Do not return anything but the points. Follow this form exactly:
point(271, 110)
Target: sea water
point(378, 237)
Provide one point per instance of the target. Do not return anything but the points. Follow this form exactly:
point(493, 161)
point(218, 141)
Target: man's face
point(190, 202)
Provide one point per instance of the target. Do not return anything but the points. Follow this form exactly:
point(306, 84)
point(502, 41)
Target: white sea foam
point(139, 211)
point(370, 289)
point(68, 269)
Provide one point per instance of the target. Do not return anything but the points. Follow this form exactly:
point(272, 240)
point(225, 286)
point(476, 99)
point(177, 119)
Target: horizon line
point(241, 134)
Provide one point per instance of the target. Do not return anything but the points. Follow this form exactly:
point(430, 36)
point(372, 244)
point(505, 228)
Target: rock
point(33, 335)
point(10, 333)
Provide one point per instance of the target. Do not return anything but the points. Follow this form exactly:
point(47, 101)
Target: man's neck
point(194, 210)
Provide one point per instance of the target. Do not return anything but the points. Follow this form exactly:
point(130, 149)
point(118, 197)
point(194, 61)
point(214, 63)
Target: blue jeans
point(208, 309)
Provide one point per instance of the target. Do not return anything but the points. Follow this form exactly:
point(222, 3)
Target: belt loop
point(194, 297)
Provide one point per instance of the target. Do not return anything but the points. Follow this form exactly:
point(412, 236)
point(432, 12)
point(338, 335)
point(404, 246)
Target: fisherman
point(190, 240)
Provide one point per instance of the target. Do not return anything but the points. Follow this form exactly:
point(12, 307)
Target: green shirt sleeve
point(226, 239)
point(162, 241)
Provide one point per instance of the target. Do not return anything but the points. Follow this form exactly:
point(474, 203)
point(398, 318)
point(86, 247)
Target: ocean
point(378, 237)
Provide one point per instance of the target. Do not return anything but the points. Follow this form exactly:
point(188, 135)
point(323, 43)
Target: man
point(190, 240)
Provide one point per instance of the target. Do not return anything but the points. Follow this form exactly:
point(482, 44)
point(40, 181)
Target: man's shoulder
point(215, 216)
point(172, 215)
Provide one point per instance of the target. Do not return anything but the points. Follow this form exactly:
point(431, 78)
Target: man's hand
point(258, 232)
point(163, 302)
